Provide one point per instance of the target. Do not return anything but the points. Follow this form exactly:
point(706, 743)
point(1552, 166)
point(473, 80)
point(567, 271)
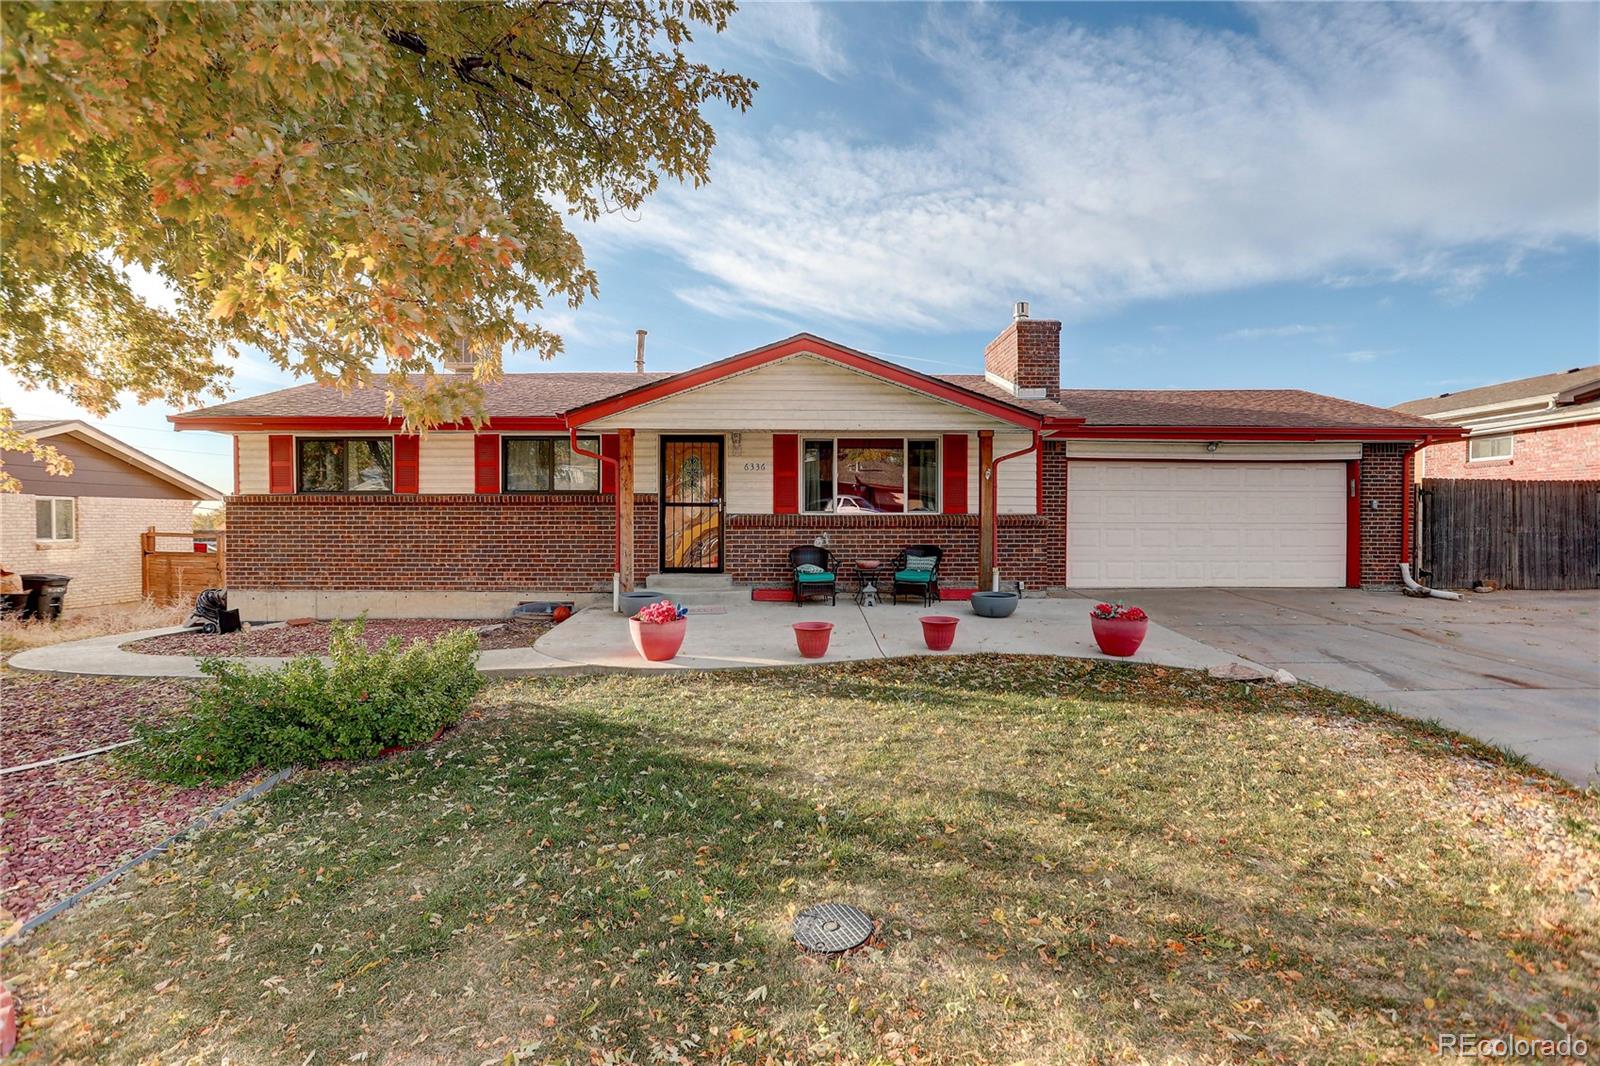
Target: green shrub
point(310, 711)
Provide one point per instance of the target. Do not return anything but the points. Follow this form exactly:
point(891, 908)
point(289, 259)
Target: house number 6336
point(754, 467)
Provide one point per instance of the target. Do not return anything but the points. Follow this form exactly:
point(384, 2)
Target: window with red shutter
point(955, 473)
point(280, 463)
point(486, 463)
point(785, 473)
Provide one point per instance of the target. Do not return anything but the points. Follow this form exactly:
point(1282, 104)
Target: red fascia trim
point(1352, 524)
point(1260, 433)
point(807, 344)
point(321, 424)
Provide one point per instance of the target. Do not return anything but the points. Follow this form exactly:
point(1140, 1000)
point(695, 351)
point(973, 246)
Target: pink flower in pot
point(1118, 629)
point(658, 630)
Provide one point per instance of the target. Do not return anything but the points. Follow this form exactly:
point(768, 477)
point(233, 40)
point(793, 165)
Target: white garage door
point(1158, 524)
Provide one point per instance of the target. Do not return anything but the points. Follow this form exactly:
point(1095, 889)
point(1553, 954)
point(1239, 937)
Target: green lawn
point(1071, 862)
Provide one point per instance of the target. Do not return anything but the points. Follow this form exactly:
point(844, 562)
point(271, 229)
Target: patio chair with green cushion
point(916, 573)
point(812, 569)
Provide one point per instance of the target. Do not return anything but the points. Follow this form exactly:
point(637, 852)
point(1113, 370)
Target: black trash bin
point(46, 593)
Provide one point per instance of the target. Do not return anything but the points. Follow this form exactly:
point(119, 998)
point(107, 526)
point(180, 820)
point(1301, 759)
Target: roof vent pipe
point(638, 352)
point(1019, 309)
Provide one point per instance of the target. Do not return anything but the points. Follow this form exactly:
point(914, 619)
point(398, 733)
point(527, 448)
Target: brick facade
point(1552, 453)
point(103, 559)
point(1028, 354)
point(1384, 482)
point(486, 542)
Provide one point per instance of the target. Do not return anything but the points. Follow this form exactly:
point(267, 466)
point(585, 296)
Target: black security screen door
point(691, 504)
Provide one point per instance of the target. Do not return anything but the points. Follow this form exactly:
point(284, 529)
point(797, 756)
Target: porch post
point(986, 504)
point(625, 506)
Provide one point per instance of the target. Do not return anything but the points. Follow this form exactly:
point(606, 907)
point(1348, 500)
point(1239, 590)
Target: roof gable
point(145, 465)
point(1576, 383)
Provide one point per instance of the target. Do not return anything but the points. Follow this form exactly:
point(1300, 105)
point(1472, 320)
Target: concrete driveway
point(1518, 669)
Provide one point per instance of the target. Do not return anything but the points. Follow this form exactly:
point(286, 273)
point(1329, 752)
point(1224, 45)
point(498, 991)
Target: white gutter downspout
point(1417, 590)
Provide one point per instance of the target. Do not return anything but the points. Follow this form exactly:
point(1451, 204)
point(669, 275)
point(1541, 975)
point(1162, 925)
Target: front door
point(691, 505)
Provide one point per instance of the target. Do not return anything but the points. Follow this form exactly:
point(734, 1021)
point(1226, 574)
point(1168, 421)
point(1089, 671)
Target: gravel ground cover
point(50, 716)
point(64, 825)
point(313, 639)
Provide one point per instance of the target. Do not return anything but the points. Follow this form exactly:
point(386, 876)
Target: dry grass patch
point(89, 622)
point(1072, 862)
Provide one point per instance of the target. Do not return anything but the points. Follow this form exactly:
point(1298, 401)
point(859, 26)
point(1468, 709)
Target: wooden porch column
point(986, 505)
point(625, 506)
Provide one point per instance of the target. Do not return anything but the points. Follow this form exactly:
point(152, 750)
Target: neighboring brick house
point(1545, 428)
point(579, 481)
point(86, 524)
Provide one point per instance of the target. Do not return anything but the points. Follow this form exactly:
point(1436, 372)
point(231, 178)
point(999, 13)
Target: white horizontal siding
point(804, 394)
point(444, 463)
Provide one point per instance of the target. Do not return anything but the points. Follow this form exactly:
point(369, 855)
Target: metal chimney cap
point(1019, 309)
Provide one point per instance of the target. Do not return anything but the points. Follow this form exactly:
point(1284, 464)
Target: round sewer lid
point(829, 928)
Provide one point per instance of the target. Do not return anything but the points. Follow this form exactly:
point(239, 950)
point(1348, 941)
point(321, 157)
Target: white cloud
point(1084, 168)
point(1366, 355)
point(1295, 329)
point(798, 33)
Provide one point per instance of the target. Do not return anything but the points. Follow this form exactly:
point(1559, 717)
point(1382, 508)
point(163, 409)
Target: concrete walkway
point(1517, 669)
point(745, 635)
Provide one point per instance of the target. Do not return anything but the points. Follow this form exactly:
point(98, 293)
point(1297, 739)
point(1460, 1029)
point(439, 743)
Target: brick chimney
point(1025, 359)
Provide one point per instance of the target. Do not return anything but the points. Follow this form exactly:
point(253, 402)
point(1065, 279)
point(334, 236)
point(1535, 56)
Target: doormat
point(956, 594)
point(708, 610)
point(772, 595)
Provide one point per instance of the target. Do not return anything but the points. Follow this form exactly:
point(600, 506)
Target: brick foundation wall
point(489, 542)
point(1384, 480)
point(1553, 453)
point(104, 559)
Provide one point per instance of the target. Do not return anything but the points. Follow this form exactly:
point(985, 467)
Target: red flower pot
point(1118, 636)
point(658, 641)
point(812, 638)
point(939, 631)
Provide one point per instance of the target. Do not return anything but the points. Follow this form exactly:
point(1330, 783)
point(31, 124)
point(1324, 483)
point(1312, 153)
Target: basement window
point(1483, 448)
point(346, 464)
point(55, 519)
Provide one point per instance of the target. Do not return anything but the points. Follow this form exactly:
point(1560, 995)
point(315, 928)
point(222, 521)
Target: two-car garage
point(1145, 520)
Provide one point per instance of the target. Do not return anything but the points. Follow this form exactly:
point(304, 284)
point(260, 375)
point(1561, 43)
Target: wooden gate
point(1516, 534)
point(179, 576)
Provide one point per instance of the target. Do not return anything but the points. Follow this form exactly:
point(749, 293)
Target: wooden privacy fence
point(1517, 534)
point(179, 576)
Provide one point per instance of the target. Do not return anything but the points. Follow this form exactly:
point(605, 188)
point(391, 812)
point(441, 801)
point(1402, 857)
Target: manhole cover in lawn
point(832, 927)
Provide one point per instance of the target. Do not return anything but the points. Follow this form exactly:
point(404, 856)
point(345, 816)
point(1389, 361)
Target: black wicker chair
point(823, 584)
point(910, 582)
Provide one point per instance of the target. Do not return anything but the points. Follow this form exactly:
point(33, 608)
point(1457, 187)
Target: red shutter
point(955, 473)
point(785, 473)
point(407, 464)
point(280, 463)
point(486, 463)
point(608, 471)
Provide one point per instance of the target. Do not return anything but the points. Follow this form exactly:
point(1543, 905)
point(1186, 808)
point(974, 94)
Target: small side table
point(867, 571)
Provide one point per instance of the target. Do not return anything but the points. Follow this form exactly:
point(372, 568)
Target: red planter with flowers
point(658, 630)
point(1118, 629)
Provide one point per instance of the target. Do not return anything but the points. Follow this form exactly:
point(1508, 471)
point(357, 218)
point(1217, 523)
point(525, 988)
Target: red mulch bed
point(64, 825)
point(313, 639)
point(50, 716)
point(67, 824)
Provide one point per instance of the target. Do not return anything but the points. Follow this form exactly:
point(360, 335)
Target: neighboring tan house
point(576, 477)
point(1536, 429)
point(86, 524)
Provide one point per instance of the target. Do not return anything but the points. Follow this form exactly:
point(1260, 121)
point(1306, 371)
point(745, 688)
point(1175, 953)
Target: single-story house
point(1544, 428)
point(87, 524)
point(575, 477)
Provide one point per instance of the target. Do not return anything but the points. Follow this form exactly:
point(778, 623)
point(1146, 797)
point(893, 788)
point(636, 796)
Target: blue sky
point(1375, 202)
